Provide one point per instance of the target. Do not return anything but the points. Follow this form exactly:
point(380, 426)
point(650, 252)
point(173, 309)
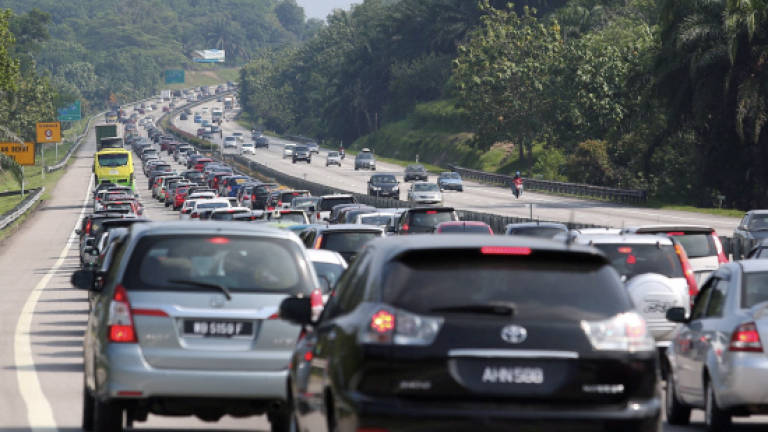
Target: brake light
point(88, 226)
point(149, 312)
point(316, 300)
point(318, 242)
point(405, 227)
point(503, 250)
point(675, 233)
point(690, 277)
point(120, 322)
point(432, 212)
point(394, 326)
point(218, 240)
point(194, 216)
point(746, 338)
point(624, 332)
point(279, 203)
point(253, 197)
point(721, 258)
point(625, 250)
point(308, 356)
point(383, 322)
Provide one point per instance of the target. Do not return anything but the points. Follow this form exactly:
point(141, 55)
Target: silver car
point(425, 193)
point(717, 361)
point(333, 158)
point(187, 324)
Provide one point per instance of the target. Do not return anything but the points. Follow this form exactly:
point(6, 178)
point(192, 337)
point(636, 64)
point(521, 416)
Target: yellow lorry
point(115, 166)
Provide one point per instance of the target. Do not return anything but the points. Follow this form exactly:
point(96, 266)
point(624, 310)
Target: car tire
point(356, 168)
point(715, 419)
point(678, 414)
point(293, 161)
point(309, 161)
point(280, 421)
point(461, 189)
point(88, 403)
point(107, 417)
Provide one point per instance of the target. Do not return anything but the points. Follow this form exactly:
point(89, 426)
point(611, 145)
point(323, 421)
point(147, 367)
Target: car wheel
point(677, 413)
point(294, 161)
point(461, 189)
point(167, 204)
point(107, 417)
point(88, 402)
point(280, 421)
point(356, 168)
point(716, 419)
point(309, 161)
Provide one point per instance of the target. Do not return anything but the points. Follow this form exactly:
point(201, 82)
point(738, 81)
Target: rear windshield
point(161, 167)
point(375, 220)
point(698, 245)
point(754, 289)
point(328, 203)
point(330, 271)
point(631, 260)
point(119, 207)
point(542, 288)
point(430, 218)
point(541, 232)
point(236, 263)
point(293, 217)
point(287, 197)
point(348, 241)
point(423, 187)
point(228, 216)
point(196, 175)
point(213, 205)
point(383, 179)
point(113, 160)
point(465, 229)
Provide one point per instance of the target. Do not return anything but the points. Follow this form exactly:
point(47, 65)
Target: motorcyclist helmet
point(517, 173)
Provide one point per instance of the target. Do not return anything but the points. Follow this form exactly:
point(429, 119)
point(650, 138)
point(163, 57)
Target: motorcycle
point(341, 154)
point(517, 188)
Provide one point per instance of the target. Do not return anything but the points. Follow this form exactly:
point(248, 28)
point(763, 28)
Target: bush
point(550, 165)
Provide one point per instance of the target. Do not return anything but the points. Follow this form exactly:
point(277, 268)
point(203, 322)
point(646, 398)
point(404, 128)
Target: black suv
point(302, 154)
point(546, 338)
point(423, 220)
point(751, 230)
point(415, 172)
point(384, 185)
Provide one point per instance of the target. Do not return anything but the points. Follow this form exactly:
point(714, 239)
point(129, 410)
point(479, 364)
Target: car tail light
point(405, 227)
point(279, 203)
point(88, 226)
point(624, 332)
point(253, 197)
point(194, 216)
point(390, 326)
point(721, 258)
point(690, 277)
point(746, 338)
point(316, 300)
point(120, 322)
point(503, 250)
point(318, 242)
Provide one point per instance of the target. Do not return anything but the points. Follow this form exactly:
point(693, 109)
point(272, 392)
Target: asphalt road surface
point(476, 197)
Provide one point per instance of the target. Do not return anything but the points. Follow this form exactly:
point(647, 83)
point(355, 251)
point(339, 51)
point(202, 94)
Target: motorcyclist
point(517, 184)
point(341, 152)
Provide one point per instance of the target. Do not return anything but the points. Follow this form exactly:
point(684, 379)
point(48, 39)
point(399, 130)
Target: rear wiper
point(218, 287)
point(493, 308)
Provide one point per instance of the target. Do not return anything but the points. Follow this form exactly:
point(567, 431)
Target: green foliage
point(590, 163)
point(550, 165)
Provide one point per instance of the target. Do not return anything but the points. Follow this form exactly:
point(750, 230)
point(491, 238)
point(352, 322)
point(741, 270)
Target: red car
point(201, 163)
point(180, 197)
point(463, 227)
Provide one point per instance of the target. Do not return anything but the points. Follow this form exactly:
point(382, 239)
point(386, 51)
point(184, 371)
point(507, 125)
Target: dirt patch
point(209, 74)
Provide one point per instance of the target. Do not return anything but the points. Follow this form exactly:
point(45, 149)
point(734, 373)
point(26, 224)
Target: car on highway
point(415, 172)
point(227, 214)
point(423, 220)
point(384, 185)
point(313, 147)
point(546, 230)
point(329, 266)
point(261, 142)
point(230, 142)
point(450, 181)
point(256, 196)
point(346, 239)
point(656, 274)
point(718, 361)
point(328, 202)
point(365, 160)
point(752, 228)
point(333, 158)
point(301, 153)
point(208, 205)
point(284, 218)
point(247, 148)
point(288, 150)
point(382, 220)
point(701, 243)
point(463, 227)
point(402, 344)
point(425, 193)
point(191, 201)
point(188, 325)
point(281, 199)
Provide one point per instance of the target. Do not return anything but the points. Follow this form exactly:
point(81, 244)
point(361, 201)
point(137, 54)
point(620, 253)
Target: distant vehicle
point(247, 148)
point(423, 220)
point(109, 136)
point(365, 160)
point(333, 158)
point(114, 166)
point(288, 150)
point(327, 202)
point(230, 142)
point(450, 181)
point(165, 95)
point(415, 172)
point(463, 227)
point(301, 153)
point(384, 185)
point(261, 142)
point(111, 117)
point(345, 239)
point(544, 230)
point(313, 147)
point(425, 193)
point(752, 228)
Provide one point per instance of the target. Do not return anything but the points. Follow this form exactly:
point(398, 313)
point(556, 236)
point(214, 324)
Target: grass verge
point(206, 77)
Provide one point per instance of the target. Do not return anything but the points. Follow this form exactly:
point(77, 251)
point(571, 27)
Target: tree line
point(665, 95)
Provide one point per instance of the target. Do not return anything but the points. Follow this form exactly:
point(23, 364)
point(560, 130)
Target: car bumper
point(741, 380)
point(385, 194)
point(129, 372)
point(454, 186)
point(394, 414)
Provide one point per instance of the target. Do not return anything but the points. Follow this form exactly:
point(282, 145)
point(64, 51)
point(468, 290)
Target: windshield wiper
point(493, 308)
point(218, 287)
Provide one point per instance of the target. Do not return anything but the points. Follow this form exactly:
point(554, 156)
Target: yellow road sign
point(23, 153)
point(49, 132)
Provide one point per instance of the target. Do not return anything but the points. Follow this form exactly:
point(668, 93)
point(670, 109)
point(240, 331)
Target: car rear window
point(287, 197)
point(228, 216)
point(375, 220)
point(237, 263)
point(697, 245)
point(161, 167)
point(536, 288)
point(213, 205)
point(430, 218)
point(293, 217)
point(465, 229)
point(540, 232)
point(330, 271)
point(631, 260)
point(328, 203)
point(754, 289)
point(347, 241)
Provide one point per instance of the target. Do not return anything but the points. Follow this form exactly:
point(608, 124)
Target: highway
point(42, 318)
point(476, 197)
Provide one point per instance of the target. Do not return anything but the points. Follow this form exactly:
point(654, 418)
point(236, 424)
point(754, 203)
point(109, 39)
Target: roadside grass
point(206, 77)
point(734, 213)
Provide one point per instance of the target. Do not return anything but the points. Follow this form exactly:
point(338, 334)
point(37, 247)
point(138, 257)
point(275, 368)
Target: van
point(115, 166)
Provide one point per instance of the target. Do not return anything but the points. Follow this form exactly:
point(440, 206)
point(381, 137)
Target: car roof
point(537, 224)
point(754, 212)
point(420, 209)
point(349, 228)
point(209, 227)
point(231, 209)
point(669, 228)
point(623, 238)
point(326, 256)
point(754, 265)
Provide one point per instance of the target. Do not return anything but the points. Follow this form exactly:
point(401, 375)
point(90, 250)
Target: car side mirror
point(83, 279)
point(297, 310)
point(677, 314)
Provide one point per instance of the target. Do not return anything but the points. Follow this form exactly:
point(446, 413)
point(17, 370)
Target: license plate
point(114, 172)
point(218, 328)
point(512, 375)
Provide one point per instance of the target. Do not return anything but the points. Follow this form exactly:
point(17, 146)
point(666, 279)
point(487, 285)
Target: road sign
point(23, 153)
point(174, 76)
point(70, 113)
point(48, 132)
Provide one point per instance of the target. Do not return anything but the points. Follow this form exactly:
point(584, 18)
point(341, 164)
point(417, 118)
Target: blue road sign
point(70, 113)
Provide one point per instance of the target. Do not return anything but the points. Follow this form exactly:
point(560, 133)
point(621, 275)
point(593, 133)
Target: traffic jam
point(326, 314)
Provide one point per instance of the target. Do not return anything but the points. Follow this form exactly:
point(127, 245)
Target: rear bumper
point(127, 371)
point(395, 414)
point(742, 381)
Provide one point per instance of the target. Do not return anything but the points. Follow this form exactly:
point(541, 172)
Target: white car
point(230, 142)
point(333, 158)
point(288, 150)
point(247, 148)
point(425, 193)
point(381, 220)
point(191, 201)
point(329, 265)
point(209, 204)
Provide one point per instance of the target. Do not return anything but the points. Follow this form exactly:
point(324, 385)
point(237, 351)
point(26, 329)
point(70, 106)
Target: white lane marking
point(39, 411)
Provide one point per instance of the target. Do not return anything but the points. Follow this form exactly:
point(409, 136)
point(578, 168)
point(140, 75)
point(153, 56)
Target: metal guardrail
point(11, 216)
point(629, 196)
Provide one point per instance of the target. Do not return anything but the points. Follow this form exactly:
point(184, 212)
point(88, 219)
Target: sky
point(321, 8)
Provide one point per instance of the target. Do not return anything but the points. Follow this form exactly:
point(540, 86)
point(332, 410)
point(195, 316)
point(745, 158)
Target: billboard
point(209, 56)
point(70, 113)
point(174, 76)
point(23, 153)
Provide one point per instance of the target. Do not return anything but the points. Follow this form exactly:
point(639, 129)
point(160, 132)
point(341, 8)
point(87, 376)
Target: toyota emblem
point(514, 334)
